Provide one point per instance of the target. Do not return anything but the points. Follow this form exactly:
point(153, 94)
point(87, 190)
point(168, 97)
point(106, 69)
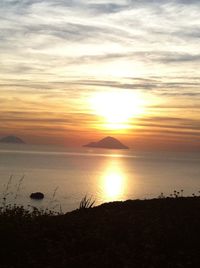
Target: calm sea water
point(65, 175)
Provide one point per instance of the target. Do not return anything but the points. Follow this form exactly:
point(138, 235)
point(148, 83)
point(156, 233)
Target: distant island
point(107, 143)
point(11, 139)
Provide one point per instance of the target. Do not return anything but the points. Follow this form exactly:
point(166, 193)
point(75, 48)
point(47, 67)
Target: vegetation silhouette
point(86, 202)
point(161, 232)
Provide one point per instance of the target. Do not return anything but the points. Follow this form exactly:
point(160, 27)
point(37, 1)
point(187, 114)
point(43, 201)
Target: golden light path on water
point(113, 181)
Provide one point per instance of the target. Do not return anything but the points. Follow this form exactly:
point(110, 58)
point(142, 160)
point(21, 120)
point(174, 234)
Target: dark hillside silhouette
point(159, 233)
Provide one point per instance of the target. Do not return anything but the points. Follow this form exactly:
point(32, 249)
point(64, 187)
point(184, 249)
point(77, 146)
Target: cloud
point(55, 52)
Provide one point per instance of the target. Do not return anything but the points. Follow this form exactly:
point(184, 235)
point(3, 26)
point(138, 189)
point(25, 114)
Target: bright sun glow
point(118, 107)
point(113, 181)
point(113, 185)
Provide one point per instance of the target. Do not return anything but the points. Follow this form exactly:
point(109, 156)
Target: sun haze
point(72, 71)
point(117, 108)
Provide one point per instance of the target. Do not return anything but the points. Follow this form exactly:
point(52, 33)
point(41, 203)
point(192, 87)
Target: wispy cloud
point(53, 53)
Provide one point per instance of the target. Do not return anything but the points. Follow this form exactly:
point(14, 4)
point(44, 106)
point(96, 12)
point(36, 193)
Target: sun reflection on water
point(113, 182)
point(113, 185)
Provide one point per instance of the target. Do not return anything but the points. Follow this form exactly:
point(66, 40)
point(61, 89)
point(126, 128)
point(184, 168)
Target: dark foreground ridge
point(107, 143)
point(153, 233)
point(11, 139)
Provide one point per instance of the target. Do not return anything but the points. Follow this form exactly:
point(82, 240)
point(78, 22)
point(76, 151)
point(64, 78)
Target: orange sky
point(57, 57)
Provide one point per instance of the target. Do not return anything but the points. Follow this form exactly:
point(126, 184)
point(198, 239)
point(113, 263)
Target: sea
point(67, 175)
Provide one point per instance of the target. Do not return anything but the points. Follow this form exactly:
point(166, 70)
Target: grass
point(86, 202)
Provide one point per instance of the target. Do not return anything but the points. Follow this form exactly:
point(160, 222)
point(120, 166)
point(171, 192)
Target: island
point(107, 143)
point(11, 139)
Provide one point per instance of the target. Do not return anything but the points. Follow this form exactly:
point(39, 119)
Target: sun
point(117, 108)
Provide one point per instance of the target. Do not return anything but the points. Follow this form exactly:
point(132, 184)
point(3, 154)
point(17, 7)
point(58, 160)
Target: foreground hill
point(151, 233)
point(11, 139)
point(107, 143)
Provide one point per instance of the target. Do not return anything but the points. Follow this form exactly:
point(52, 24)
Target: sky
point(58, 56)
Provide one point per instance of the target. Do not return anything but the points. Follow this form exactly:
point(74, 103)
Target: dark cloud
point(158, 86)
point(164, 2)
point(178, 57)
point(163, 57)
